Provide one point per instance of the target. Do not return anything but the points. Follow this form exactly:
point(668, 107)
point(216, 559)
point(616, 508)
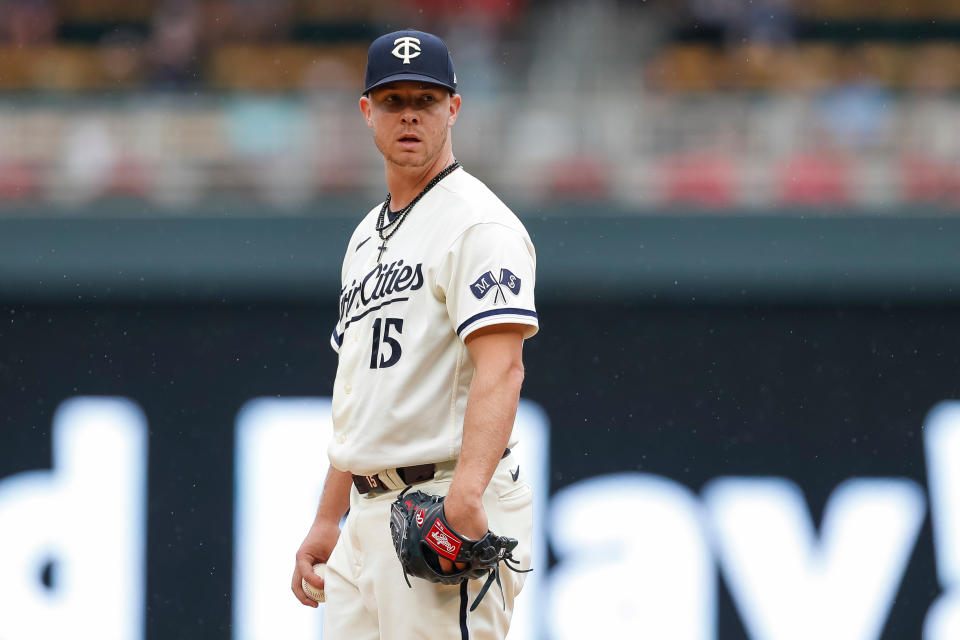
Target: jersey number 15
point(377, 359)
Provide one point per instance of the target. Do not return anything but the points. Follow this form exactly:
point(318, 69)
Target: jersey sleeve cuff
point(336, 341)
point(507, 315)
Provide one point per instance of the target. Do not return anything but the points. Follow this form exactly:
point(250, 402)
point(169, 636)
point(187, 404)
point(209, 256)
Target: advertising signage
point(703, 472)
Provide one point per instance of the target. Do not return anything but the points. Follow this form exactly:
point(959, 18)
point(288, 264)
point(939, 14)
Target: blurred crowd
point(720, 104)
point(77, 45)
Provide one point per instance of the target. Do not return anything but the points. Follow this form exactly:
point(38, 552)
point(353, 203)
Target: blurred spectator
point(817, 177)
point(87, 161)
point(758, 21)
point(581, 178)
point(121, 58)
point(269, 136)
point(929, 180)
point(492, 11)
point(934, 68)
point(174, 48)
point(328, 74)
point(700, 178)
point(477, 64)
point(855, 111)
point(25, 23)
point(473, 29)
point(18, 181)
point(249, 21)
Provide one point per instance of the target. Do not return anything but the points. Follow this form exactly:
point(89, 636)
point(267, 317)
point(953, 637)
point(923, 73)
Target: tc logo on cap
point(407, 48)
point(390, 55)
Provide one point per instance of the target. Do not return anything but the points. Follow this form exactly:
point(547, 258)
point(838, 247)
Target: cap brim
point(410, 76)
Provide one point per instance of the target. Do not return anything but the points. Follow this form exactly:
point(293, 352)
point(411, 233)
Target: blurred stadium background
point(748, 280)
point(722, 105)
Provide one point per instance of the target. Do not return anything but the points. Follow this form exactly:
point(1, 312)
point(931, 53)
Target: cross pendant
point(382, 247)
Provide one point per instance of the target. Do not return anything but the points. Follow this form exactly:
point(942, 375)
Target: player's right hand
point(316, 547)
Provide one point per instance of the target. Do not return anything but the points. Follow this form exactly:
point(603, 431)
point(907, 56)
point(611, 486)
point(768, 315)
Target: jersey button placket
point(347, 388)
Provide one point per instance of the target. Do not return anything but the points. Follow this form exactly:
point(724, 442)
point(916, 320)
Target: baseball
point(318, 569)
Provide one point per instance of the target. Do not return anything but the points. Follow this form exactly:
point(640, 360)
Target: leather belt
point(384, 481)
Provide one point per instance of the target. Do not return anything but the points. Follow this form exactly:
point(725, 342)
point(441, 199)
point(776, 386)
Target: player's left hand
point(468, 518)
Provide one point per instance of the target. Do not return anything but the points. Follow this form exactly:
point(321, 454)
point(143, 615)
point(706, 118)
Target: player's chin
point(411, 158)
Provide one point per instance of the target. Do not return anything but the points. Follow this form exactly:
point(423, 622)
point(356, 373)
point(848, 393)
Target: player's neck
point(405, 183)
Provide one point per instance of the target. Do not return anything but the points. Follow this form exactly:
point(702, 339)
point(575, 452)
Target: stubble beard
point(408, 160)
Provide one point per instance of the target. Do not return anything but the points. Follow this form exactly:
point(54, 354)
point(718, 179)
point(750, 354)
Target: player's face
point(410, 121)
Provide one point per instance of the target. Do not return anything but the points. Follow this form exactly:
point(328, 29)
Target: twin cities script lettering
point(382, 282)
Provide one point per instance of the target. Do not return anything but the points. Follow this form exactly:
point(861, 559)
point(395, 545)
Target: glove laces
point(510, 563)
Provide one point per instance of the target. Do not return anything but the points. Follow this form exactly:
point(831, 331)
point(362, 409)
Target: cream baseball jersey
point(461, 261)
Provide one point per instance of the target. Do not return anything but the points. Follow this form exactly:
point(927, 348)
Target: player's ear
point(365, 109)
point(454, 109)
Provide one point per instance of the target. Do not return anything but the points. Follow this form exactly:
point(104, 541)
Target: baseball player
point(436, 301)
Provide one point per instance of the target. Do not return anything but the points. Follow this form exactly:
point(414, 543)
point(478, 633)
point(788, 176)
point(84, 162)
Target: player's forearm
point(335, 499)
point(488, 422)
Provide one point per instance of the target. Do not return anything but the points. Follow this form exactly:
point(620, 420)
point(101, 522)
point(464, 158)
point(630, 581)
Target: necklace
point(385, 229)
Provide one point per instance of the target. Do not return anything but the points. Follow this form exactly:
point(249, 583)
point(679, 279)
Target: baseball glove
point(421, 534)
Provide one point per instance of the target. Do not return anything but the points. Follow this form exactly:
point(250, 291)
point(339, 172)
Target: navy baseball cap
point(409, 55)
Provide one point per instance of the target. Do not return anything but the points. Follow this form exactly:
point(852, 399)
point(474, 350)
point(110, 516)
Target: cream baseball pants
point(367, 597)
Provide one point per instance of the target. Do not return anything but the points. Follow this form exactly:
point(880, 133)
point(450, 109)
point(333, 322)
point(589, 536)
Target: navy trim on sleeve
point(511, 311)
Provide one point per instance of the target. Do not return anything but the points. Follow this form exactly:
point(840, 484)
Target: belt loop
point(393, 476)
